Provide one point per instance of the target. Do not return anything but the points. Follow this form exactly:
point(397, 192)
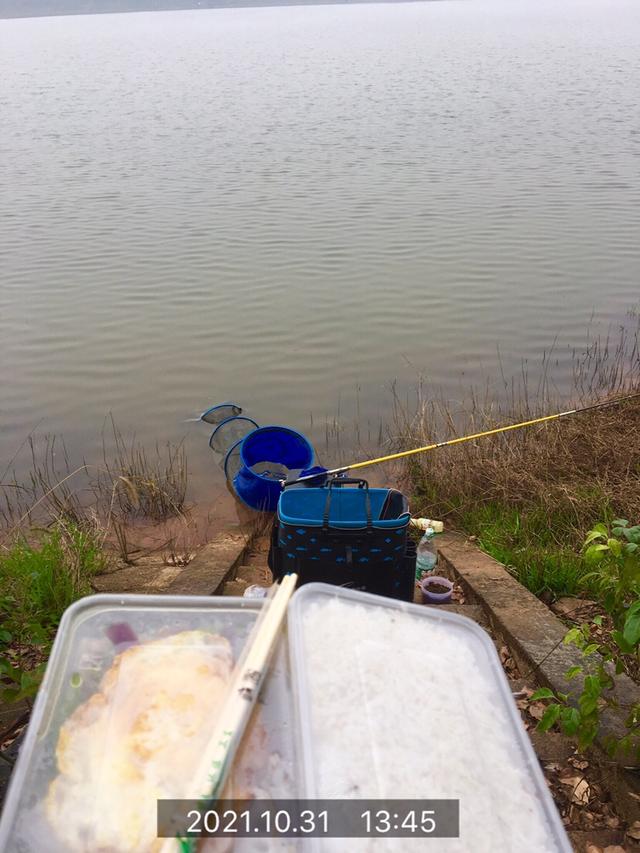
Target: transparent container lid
point(402, 701)
point(129, 697)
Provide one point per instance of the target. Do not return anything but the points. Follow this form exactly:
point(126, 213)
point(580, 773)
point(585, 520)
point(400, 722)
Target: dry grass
point(152, 486)
point(54, 489)
point(568, 473)
point(131, 505)
point(131, 484)
point(574, 470)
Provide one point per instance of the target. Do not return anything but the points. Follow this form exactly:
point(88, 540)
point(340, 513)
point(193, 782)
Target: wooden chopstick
point(234, 714)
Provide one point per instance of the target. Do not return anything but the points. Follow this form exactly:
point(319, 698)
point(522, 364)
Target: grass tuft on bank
point(41, 577)
point(523, 542)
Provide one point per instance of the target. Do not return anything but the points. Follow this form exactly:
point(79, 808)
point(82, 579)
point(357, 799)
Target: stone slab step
point(147, 576)
point(235, 588)
point(260, 575)
point(211, 567)
point(204, 575)
point(471, 611)
point(551, 746)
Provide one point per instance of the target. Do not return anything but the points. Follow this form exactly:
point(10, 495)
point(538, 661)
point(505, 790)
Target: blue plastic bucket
point(282, 447)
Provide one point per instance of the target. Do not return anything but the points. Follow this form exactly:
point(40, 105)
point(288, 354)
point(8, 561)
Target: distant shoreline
point(10, 10)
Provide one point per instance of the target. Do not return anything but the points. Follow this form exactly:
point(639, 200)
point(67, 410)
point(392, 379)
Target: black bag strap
point(349, 481)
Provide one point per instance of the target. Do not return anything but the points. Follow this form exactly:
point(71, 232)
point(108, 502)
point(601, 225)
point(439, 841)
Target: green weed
point(526, 543)
point(39, 579)
point(613, 552)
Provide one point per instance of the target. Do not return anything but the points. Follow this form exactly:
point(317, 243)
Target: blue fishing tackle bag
point(348, 536)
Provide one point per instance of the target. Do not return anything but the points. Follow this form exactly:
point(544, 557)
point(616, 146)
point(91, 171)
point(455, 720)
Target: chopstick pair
point(236, 710)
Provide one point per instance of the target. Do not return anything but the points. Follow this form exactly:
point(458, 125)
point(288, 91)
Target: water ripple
point(284, 204)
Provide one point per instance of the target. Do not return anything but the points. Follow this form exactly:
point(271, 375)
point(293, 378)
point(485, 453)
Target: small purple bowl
point(429, 597)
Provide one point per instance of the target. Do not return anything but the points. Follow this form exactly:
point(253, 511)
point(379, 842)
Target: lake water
point(292, 207)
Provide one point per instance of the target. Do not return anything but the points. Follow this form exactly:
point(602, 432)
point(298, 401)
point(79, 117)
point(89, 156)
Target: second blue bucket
point(267, 455)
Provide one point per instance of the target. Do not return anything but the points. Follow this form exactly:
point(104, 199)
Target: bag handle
point(349, 481)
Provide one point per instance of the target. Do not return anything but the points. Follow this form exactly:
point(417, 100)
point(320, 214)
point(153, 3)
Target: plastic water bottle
point(427, 552)
point(255, 591)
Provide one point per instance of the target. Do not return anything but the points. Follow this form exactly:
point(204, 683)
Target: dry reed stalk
point(131, 485)
point(572, 470)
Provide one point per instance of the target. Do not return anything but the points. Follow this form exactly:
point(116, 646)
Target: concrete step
point(260, 575)
point(252, 570)
point(551, 746)
point(471, 611)
point(211, 567)
point(235, 588)
point(148, 575)
point(204, 575)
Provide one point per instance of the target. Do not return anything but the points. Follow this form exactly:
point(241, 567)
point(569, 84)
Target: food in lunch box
point(409, 708)
point(136, 740)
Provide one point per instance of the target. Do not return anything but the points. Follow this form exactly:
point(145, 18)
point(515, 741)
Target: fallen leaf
point(579, 765)
point(537, 709)
point(581, 793)
point(570, 774)
point(552, 766)
point(634, 831)
point(592, 848)
point(581, 789)
point(614, 848)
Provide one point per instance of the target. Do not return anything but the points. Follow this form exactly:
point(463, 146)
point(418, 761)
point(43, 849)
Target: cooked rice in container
point(401, 708)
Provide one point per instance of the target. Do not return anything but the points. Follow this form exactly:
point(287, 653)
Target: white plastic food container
point(402, 701)
point(92, 634)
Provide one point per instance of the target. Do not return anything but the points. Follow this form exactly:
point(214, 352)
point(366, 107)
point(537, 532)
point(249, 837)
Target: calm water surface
point(294, 206)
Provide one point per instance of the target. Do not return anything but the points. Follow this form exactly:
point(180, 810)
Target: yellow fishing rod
point(450, 442)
